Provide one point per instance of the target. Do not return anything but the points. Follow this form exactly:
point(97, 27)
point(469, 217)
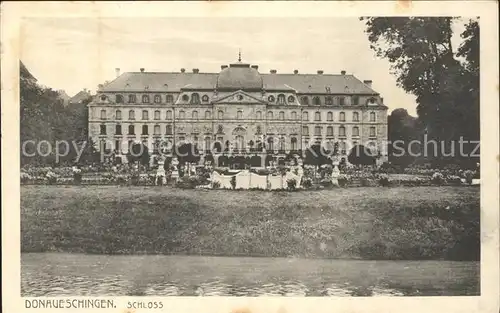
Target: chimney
point(273, 71)
point(295, 71)
point(223, 67)
point(196, 70)
point(368, 83)
point(320, 72)
point(117, 71)
point(183, 70)
point(142, 69)
point(342, 72)
point(255, 67)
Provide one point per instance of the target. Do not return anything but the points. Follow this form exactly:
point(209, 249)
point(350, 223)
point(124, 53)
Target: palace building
point(238, 110)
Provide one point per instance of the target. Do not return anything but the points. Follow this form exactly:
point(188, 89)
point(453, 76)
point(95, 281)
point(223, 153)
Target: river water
point(57, 274)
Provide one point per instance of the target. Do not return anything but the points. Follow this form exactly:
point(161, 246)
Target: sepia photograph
point(252, 156)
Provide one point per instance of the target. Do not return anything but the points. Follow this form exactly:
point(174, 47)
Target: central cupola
point(239, 76)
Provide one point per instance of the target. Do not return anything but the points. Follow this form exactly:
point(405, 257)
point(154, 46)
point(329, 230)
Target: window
point(317, 116)
point(270, 99)
point(169, 115)
point(294, 115)
point(204, 98)
point(371, 100)
point(131, 115)
point(305, 130)
point(103, 114)
point(117, 146)
point(281, 99)
point(194, 115)
point(102, 129)
point(131, 99)
point(195, 98)
point(259, 115)
point(355, 131)
point(144, 129)
point(291, 99)
point(207, 143)
point(317, 131)
point(342, 131)
point(220, 115)
point(259, 130)
point(294, 143)
point(145, 99)
point(168, 130)
point(118, 114)
point(329, 116)
point(341, 101)
point(329, 100)
point(182, 114)
point(373, 132)
point(239, 115)
point(282, 115)
point(220, 129)
point(118, 129)
point(372, 116)
point(157, 115)
point(270, 142)
point(304, 100)
point(131, 130)
point(270, 115)
point(119, 99)
point(355, 100)
point(103, 98)
point(305, 116)
point(185, 98)
point(329, 131)
point(170, 99)
point(157, 99)
point(145, 115)
point(208, 115)
point(156, 130)
point(342, 117)
point(355, 117)
point(316, 101)
point(282, 143)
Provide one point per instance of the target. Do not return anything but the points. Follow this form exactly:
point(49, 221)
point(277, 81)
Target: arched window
point(281, 99)
point(118, 114)
point(185, 98)
point(119, 99)
point(317, 131)
point(305, 116)
point(220, 129)
point(145, 115)
point(317, 101)
point(102, 129)
point(169, 115)
point(329, 131)
point(328, 100)
point(131, 130)
point(145, 99)
point(372, 116)
point(170, 98)
point(341, 101)
point(329, 116)
point(304, 100)
point(194, 115)
point(355, 131)
point(291, 99)
point(103, 114)
point(205, 98)
point(157, 99)
point(373, 132)
point(305, 130)
point(294, 143)
point(182, 114)
point(317, 116)
point(131, 115)
point(282, 144)
point(156, 130)
point(282, 115)
point(294, 115)
point(168, 130)
point(258, 129)
point(355, 116)
point(208, 144)
point(220, 115)
point(239, 115)
point(342, 117)
point(270, 115)
point(131, 99)
point(208, 115)
point(270, 98)
point(195, 98)
point(145, 129)
point(342, 131)
point(355, 100)
point(259, 115)
point(157, 115)
point(270, 143)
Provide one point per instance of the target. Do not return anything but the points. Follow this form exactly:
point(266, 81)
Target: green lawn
point(361, 223)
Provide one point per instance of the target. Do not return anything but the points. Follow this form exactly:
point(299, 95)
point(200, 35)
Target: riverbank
point(398, 223)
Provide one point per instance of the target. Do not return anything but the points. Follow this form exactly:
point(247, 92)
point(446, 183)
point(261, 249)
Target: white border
point(11, 15)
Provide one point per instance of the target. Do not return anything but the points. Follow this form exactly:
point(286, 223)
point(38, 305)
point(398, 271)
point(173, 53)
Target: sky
point(77, 53)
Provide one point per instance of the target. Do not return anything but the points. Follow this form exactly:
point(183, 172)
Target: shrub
point(291, 184)
point(384, 180)
point(122, 180)
point(77, 178)
point(233, 182)
point(134, 179)
point(468, 175)
point(343, 180)
point(306, 182)
point(216, 185)
point(454, 180)
point(25, 178)
point(51, 178)
point(437, 179)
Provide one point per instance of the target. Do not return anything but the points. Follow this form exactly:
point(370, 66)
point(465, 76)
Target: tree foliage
point(361, 155)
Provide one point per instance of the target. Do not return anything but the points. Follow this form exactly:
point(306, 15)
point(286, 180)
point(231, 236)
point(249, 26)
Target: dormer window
point(271, 99)
point(185, 98)
point(145, 99)
point(131, 99)
point(103, 98)
point(157, 99)
point(317, 101)
point(329, 100)
point(355, 100)
point(119, 99)
point(371, 100)
point(204, 98)
point(281, 99)
point(305, 100)
point(291, 99)
point(170, 99)
point(195, 98)
point(341, 101)
point(327, 89)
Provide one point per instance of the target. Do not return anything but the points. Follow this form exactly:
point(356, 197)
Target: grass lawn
point(357, 223)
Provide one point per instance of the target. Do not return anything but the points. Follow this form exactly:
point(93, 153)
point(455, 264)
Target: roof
point(239, 76)
point(176, 82)
point(80, 96)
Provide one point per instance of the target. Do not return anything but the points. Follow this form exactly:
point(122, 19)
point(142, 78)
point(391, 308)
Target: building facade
point(238, 111)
